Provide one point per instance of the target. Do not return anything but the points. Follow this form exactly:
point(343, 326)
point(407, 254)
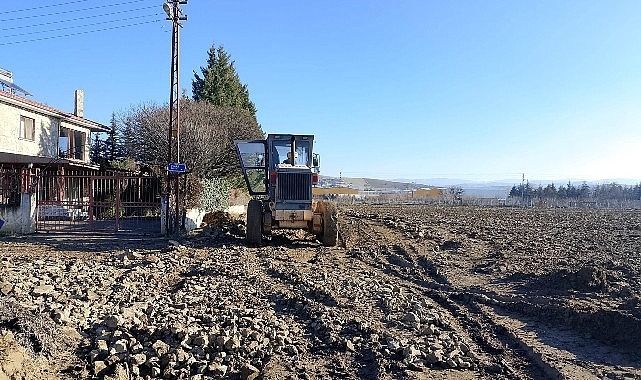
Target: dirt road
point(416, 292)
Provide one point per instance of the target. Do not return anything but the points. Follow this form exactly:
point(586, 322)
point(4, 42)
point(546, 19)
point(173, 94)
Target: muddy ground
point(412, 292)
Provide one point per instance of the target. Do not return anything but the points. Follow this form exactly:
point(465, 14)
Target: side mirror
point(316, 161)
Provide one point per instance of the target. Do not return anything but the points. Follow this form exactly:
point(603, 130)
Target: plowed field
point(411, 292)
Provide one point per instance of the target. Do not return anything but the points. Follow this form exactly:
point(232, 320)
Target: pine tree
point(220, 84)
point(97, 151)
point(113, 145)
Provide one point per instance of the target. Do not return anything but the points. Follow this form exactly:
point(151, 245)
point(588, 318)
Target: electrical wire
point(75, 19)
point(78, 33)
point(79, 26)
point(43, 7)
point(71, 11)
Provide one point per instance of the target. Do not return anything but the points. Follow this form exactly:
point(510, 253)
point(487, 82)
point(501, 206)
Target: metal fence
point(13, 182)
point(82, 201)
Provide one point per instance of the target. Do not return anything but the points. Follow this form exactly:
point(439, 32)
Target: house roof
point(41, 161)
point(34, 106)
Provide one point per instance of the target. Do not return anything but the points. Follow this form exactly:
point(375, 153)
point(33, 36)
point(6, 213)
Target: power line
point(79, 26)
point(76, 19)
point(79, 33)
point(71, 11)
point(43, 6)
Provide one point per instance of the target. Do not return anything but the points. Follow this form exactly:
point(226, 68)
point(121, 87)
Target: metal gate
point(111, 203)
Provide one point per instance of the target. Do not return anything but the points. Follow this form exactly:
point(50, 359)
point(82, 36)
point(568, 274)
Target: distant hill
point(445, 182)
point(367, 184)
point(470, 188)
point(501, 188)
point(479, 189)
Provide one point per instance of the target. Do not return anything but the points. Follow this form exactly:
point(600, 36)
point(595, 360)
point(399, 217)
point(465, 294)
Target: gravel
point(402, 296)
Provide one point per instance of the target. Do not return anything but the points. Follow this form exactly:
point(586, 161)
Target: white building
point(34, 139)
point(37, 134)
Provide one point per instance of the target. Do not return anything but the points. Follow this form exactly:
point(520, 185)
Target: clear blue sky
point(476, 90)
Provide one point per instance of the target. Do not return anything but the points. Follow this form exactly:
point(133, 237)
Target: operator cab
point(291, 150)
point(262, 160)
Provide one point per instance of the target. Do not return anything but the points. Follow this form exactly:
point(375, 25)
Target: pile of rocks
point(225, 344)
point(357, 309)
point(188, 312)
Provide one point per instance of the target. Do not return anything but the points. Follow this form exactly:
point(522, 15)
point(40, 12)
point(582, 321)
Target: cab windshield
point(283, 148)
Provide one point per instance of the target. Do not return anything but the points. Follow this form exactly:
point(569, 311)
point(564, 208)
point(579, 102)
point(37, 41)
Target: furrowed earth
point(411, 292)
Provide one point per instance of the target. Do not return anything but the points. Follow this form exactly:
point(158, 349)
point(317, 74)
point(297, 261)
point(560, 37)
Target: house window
point(27, 128)
point(71, 144)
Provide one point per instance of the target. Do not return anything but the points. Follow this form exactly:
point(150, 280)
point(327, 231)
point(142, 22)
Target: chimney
point(79, 109)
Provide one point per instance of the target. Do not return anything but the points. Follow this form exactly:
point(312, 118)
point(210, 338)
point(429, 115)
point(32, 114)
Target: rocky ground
point(416, 292)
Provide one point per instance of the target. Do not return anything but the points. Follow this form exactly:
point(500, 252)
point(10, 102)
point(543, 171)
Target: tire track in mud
point(505, 354)
point(322, 312)
point(378, 325)
point(485, 313)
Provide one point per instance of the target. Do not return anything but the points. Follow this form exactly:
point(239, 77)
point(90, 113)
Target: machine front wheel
point(254, 222)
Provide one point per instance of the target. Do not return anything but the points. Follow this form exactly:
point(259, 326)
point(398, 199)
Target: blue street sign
point(176, 168)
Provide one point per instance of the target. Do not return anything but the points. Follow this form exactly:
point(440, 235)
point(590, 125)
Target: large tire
point(254, 222)
point(329, 235)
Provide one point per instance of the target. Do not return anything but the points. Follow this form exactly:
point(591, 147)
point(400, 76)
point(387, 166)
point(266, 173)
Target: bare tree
point(207, 135)
point(455, 195)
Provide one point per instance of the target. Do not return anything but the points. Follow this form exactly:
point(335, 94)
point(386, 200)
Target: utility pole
point(175, 15)
point(523, 190)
